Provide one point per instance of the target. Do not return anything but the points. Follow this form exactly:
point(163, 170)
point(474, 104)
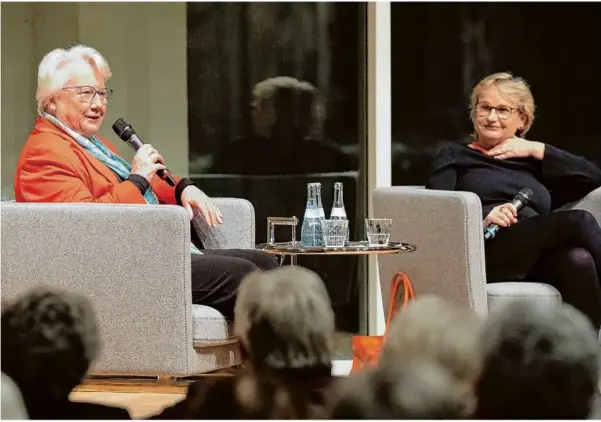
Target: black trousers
point(561, 248)
point(216, 275)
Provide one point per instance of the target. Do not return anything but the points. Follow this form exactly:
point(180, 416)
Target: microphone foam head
point(526, 195)
point(121, 126)
point(527, 192)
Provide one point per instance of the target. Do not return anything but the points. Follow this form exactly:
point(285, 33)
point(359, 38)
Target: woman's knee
point(580, 259)
point(240, 268)
point(263, 260)
point(580, 221)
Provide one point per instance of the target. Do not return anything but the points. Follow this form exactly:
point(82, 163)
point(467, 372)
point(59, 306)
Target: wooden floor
point(141, 401)
point(146, 399)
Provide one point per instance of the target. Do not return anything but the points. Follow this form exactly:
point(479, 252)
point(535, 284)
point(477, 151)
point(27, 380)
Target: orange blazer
point(53, 167)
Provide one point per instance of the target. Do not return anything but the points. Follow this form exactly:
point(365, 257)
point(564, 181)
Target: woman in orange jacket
point(64, 160)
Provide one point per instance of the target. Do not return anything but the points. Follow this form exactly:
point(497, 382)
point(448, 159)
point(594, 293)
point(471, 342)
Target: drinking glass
point(334, 232)
point(378, 231)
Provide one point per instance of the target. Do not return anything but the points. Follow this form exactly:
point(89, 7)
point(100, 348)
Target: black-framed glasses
point(86, 93)
point(503, 112)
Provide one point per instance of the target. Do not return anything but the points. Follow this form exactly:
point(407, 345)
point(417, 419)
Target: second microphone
point(519, 201)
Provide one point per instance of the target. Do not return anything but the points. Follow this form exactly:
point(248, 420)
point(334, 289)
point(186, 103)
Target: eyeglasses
point(86, 93)
point(503, 112)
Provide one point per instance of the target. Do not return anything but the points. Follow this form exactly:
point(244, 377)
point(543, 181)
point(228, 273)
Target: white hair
point(442, 340)
point(60, 65)
point(284, 319)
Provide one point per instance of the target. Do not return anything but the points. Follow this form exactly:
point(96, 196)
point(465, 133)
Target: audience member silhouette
point(540, 362)
point(428, 368)
point(285, 323)
point(49, 340)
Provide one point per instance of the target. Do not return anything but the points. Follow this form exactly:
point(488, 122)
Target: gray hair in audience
point(284, 319)
point(285, 105)
point(442, 340)
point(541, 362)
point(49, 339)
point(417, 389)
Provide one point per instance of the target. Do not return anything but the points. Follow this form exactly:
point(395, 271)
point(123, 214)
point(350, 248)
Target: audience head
point(421, 389)
point(285, 107)
point(264, 397)
point(502, 106)
point(428, 367)
point(49, 339)
point(71, 87)
point(540, 362)
point(285, 321)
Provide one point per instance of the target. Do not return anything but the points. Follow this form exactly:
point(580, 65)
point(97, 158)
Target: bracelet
point(179, 189)
point(140, 181)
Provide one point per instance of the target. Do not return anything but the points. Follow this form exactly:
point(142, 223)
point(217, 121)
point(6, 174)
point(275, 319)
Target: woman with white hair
point(285, 323)
point(560, 248)
point(64, 160)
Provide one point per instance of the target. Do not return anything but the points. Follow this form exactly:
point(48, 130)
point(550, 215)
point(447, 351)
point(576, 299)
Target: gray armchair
point(133, 263)
point(446, 227)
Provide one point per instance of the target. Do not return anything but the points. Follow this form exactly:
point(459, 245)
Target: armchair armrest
point(131, 261)
point(446, 229)
point(237, 230)
point(591, 203)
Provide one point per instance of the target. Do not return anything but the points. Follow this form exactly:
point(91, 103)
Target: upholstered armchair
point(446, 227)
point(133, 263)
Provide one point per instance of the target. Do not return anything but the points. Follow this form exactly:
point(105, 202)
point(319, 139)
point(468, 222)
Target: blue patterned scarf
point(117, 164)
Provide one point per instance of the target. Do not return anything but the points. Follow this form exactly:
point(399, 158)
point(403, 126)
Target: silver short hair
point(60, 65)
point(417, 389)
point(443, 339)
point(541, 362)
point(434, 329)
point(284, 319)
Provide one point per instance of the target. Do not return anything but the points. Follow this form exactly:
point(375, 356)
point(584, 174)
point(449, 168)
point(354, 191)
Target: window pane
point(274, 103)
point(441, 50)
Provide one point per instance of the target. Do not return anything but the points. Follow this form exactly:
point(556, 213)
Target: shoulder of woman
point(448, 151)
point(48, 144)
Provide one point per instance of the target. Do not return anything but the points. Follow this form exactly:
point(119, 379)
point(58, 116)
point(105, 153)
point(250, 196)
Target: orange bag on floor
point(366, 349)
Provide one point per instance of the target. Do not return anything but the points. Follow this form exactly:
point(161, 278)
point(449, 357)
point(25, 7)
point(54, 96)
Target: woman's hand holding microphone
point(504, 215)
point(147, 162)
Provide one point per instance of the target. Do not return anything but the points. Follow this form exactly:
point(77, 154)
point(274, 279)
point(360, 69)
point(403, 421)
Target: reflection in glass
point(273, 104)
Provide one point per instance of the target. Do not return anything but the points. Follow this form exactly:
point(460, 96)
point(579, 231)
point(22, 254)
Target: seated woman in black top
point(559, 248)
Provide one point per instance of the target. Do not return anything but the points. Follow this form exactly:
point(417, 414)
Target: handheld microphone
point(519, 201)
point(126, 132)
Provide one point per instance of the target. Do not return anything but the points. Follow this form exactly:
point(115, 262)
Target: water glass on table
point(334, 233)
point(378, 231)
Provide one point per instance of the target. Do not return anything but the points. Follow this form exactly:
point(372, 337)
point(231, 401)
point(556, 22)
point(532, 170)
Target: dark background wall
point(441, 50)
